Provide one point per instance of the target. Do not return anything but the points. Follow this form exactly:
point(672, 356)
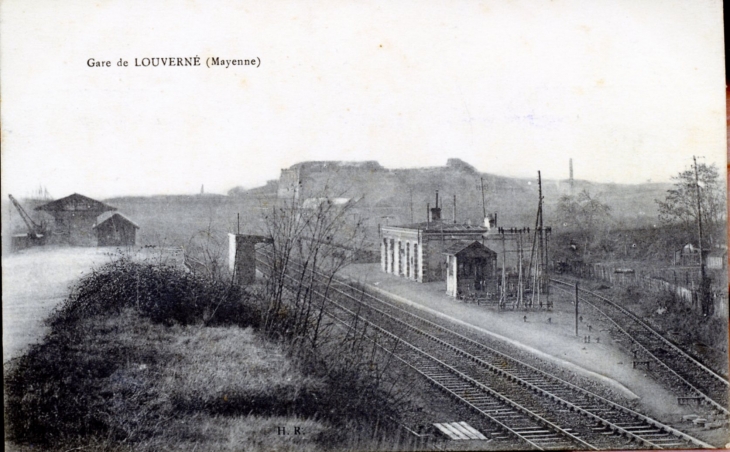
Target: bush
point(163, 293)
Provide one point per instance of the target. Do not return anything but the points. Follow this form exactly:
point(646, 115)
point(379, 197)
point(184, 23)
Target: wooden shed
point(471, 269)
point(115, 229)
point(74, 218)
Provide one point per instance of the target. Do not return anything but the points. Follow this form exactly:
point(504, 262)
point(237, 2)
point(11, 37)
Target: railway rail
point(672, 362)
point(537, 409)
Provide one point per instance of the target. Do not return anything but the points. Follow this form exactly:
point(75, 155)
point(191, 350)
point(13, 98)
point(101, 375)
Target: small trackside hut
point(471, 269)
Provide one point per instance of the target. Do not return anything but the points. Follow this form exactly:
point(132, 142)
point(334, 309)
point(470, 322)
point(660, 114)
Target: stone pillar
point(424, 260)
point(416, 262)
point(391, 258)
point(396, 258)
point(242, 257)
point(386, 243)
point(411, 261)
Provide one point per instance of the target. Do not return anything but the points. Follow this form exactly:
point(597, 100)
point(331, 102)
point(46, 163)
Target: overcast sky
point(629, 89)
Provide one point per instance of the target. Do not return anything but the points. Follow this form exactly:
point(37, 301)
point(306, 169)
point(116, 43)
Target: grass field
point(154, 387)
point(142, 356)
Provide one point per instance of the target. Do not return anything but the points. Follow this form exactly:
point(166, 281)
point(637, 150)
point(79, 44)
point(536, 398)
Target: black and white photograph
point(367, 225)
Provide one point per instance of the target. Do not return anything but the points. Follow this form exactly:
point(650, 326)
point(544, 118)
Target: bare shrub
point(311, 242)
point(309, 245)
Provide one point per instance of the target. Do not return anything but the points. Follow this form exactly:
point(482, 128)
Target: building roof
point(469, 248)
point(106, 216)
point(250, 238)
point(75, 202)
point(441, 226)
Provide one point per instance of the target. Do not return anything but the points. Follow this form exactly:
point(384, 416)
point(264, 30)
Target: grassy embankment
point(144, 357)
point(682, 323)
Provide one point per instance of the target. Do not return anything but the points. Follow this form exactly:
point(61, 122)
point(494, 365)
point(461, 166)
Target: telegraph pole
point(520, 288)
point(503, 300)
point(484, 201)
point(703, 273)
point(576, 309)
point(541, 247)
point(548, 302)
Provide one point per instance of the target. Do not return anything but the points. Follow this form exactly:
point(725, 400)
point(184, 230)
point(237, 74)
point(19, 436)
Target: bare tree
point(205, 253)
point(680, 206)
point(585, 214)
point(311, 242)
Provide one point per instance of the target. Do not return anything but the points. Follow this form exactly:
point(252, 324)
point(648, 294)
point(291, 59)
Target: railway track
point(681, 370)
point(537, 409)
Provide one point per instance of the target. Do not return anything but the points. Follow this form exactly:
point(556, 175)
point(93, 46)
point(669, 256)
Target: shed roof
point(106, 216)
point(689, 248)
point(75, 202)
point(469, 248)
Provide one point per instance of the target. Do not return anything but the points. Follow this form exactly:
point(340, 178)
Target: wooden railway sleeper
point(695, 441)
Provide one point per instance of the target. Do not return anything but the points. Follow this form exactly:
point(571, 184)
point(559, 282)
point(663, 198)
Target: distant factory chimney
point(436, 211)
point(202, 189)
point(571, 174)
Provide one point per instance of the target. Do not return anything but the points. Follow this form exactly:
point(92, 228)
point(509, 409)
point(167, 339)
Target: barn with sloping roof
point(74, 218)
point(115, 229)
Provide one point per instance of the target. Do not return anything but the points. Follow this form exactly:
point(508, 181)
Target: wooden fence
point(682, 284)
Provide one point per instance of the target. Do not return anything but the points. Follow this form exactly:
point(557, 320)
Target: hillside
point(386, 196)
point(399, 195)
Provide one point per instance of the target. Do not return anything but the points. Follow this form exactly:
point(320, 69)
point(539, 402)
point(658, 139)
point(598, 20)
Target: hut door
point(479, 265)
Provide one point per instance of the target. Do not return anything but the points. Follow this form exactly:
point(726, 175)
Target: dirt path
point(35, 281)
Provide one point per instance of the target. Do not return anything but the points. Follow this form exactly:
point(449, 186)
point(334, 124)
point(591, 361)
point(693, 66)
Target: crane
point(35, 230)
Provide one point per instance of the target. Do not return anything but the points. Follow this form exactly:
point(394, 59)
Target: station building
point(416, 251)
point(480, 260)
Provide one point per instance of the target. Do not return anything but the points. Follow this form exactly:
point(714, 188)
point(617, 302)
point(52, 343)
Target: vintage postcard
point(364, 225)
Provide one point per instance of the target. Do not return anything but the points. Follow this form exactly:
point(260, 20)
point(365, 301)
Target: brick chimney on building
point(436, 211)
